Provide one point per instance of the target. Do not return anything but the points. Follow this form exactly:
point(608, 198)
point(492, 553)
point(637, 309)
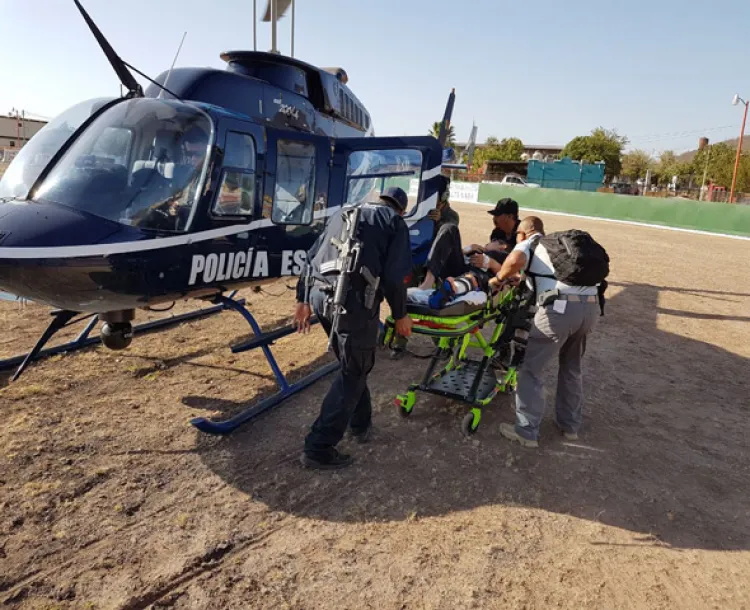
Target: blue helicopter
point(206, 182)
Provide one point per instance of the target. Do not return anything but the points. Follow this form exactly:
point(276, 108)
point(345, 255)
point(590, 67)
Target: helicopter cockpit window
point(34, 157)
point(295, 181)
point(237, 192)
point(370, 172)
point(140, 163)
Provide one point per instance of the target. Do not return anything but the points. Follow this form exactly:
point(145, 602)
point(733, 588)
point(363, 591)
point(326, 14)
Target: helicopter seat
point(165, 169)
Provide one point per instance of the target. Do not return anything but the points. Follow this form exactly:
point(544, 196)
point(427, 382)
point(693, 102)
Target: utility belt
point(549, 296)
point(363, 284)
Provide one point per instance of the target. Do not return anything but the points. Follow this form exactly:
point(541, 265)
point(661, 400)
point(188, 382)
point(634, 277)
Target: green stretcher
point(476, 369)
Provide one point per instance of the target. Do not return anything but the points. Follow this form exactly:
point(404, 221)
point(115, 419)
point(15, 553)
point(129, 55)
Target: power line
point(28, 114)
point(678, 134)
point(38, 116)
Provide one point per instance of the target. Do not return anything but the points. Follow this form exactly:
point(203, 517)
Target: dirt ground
point(110, 499)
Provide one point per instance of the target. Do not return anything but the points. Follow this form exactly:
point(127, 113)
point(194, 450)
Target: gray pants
point(554, 334)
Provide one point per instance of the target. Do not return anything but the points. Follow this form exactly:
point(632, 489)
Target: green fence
point(732, 219)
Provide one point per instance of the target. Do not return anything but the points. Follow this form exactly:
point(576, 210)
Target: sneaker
point(569, 436)
point(362, 437)
point(441, 296)
point(509, 432)
point(338, 460)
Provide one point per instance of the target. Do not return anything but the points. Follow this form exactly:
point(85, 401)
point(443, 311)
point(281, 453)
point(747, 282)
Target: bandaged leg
point(462, 285)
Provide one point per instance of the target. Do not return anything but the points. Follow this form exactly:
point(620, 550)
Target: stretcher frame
point(465, 377)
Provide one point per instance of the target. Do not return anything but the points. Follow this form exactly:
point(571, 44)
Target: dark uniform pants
point(347, 402)
point(446, 258)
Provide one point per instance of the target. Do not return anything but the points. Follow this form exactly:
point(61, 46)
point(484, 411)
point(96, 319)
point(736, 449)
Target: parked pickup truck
point(513, 180)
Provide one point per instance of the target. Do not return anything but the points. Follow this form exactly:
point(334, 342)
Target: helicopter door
point(236, 193)
point(295, 192)
point(363, 168)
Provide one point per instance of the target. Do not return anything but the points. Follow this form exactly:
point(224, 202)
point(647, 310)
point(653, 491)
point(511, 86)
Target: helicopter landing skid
point(63, 318)
point(286, 389)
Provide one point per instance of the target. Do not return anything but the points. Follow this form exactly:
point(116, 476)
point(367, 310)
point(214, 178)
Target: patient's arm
point(482, 261)
point(494, 266)
point(496, 246)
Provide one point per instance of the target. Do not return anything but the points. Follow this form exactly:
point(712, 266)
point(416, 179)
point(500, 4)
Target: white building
point(15, 132)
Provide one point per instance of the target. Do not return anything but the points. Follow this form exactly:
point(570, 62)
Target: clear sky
point(659, 71)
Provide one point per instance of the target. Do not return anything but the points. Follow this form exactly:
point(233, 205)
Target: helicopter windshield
point(33, 158)
point(370, 172)
point(140, 163)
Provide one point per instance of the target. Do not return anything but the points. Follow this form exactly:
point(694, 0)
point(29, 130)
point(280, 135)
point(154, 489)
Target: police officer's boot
point(335, 461)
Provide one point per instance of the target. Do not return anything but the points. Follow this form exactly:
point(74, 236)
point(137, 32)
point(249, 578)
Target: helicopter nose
point(46, 252)
point(39, 225)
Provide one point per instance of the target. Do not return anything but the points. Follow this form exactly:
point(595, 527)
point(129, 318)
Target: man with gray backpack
point(567, 271)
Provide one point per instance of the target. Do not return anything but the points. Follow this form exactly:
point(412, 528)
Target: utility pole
point(14, 114)
point(705, 171)
point(737, 99)
point(255, 25)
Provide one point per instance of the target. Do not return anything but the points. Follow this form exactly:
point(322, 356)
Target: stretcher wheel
point(470, 423)
point(405, 403)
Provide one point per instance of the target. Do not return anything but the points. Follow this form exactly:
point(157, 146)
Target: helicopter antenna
point(174, 61)
point(119, 66)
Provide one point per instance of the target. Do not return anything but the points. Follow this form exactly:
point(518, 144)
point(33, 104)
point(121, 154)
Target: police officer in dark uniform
point(386, 254)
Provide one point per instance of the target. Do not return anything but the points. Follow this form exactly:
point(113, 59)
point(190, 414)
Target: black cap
point(505, 206)
point(396, 196)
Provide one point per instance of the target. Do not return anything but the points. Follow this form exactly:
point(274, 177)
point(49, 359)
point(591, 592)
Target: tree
point(636, 164)
point(450, 140)
point(510, 149)
point(507, 149)
point(668, 167)
point(717, 161)
point(601, 145)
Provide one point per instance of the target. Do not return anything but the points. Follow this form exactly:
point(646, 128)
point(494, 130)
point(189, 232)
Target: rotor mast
point(275, 9)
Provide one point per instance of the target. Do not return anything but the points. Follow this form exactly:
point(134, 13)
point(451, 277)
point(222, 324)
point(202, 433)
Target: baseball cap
point(505, 206)
point(396, 196)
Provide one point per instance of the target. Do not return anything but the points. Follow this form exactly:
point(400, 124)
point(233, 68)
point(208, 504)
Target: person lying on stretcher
point(475, 264)
point(474, 281)
point(447, 258)
point(474, 286)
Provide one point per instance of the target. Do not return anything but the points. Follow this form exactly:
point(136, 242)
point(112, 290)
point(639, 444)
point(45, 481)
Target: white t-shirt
point(541, 264)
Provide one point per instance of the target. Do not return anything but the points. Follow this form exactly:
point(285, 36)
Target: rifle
point(349, 248)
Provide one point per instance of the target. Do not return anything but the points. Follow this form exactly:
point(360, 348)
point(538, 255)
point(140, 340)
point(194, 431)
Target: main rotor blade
point(126, 78)
point(281, 8)
point(446, 123)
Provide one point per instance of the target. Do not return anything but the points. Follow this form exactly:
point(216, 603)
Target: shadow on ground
point(663, 454)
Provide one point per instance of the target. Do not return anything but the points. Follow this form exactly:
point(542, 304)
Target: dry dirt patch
point(109, 499)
